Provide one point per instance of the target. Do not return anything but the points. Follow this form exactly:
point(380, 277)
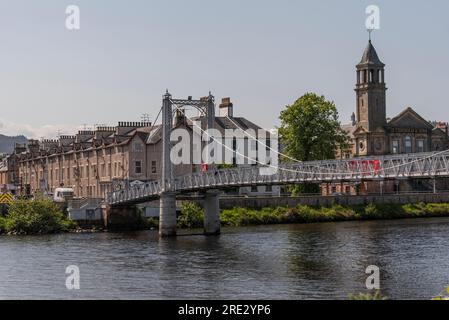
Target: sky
point(263, 54)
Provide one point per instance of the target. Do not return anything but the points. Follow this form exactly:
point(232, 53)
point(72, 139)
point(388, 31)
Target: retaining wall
point(258, 203)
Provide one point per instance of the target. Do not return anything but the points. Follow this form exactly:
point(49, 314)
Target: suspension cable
point(263, 144)
point(305, 172)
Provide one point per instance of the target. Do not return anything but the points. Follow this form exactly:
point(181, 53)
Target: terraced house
point(90, 161)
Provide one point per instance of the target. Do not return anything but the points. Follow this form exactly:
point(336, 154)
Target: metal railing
point(423, 165)
point(143, 191)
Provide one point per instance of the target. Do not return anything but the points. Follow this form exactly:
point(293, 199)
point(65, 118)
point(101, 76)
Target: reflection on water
point(317, 261)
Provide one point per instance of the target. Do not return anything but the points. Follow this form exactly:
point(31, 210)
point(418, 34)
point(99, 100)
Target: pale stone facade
point(372, 133)
point(88, 162)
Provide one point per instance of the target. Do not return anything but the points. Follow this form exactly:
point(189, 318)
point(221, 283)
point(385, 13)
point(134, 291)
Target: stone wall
point(258, 203)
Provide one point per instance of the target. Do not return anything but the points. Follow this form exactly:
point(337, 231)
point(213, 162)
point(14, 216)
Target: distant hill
point(7, 143)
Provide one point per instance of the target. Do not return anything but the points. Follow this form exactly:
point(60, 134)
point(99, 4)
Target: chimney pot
point(226, 108)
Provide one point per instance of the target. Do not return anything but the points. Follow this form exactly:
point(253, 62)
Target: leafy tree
point(39, 216)
point(310, 130)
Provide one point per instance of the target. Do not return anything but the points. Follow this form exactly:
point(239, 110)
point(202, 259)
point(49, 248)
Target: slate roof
point(223, 123)
point(420, 121)
point(370, 57)
point(349, 129)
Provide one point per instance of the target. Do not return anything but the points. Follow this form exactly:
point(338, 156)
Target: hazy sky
point(263, 54)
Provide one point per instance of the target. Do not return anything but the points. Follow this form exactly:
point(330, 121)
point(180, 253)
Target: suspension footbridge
point(209, 183)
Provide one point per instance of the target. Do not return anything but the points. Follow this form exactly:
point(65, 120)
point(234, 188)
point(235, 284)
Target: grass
point(192, 215)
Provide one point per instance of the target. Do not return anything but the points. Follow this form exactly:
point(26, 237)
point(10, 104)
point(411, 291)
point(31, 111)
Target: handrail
point(427, 165)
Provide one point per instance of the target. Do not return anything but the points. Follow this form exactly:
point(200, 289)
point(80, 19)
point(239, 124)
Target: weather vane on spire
point(369, 33)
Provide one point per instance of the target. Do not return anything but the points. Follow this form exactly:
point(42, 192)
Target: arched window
point(420, 146)
point(408, 144)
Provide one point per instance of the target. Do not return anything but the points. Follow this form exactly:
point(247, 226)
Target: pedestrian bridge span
point(422, 165)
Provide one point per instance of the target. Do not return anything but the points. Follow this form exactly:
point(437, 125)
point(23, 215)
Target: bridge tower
point(167, 222)
point(211, 200)
point(167, 216)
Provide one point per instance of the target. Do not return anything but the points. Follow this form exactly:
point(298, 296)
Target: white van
point(62, 195)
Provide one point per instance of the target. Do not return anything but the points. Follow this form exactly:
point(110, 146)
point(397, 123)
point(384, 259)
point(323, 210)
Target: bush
point(232, 218)
point(192, 216)
point(432, 209)
point(371, 211)
point(40, 216)
point(289, 215)
point(368, 296)
point(152, 223)
point(2, 225)
point(306, 214)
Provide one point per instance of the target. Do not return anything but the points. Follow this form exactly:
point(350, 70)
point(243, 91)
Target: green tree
point(310, 130)
point(39, 216)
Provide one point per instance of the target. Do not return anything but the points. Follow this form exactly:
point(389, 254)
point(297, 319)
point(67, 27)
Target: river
point(316, 261)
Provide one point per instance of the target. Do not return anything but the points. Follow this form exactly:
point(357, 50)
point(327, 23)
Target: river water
point(317, 261)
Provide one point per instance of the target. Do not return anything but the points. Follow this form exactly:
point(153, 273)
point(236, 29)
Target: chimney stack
point(226, 108)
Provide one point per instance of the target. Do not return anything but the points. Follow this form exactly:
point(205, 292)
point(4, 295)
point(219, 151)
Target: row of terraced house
point(96, 162)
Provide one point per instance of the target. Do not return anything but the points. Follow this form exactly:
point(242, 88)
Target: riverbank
point(191, 216)
point(43, 217)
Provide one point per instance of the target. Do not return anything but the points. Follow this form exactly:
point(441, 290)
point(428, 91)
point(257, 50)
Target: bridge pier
point(212, 213)
point(167, 219)
point(120, 218)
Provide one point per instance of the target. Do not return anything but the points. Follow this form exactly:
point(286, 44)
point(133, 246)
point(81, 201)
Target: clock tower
point(371, 91)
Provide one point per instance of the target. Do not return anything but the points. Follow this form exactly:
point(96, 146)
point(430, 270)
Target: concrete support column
point(167, 218)
point(212, 213)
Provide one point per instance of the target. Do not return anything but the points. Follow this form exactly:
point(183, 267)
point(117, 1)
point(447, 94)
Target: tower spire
point(371, 90)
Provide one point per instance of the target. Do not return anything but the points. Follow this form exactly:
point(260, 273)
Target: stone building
point(96, 162)
point(9, 171)
point(373, 134)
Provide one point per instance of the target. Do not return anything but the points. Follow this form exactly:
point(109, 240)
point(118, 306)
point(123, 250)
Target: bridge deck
point(423, 165)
